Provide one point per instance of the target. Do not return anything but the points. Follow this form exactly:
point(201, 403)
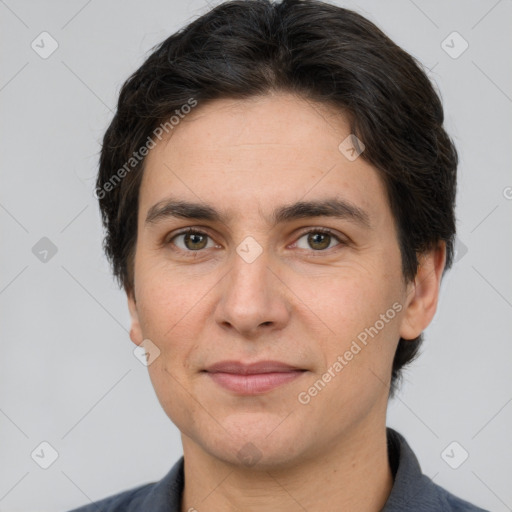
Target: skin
point(294, 303)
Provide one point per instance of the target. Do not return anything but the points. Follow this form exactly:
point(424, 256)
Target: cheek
point(171, 391)
point(165, 317)
point(165, 297)
point(168, 314)
point(176, 313)
point(363, 316)
point(351, 303)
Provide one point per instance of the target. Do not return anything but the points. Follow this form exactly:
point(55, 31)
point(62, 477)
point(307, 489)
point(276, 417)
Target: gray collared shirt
point(412, 491)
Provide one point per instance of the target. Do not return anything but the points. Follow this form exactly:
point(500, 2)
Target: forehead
point(249, 155)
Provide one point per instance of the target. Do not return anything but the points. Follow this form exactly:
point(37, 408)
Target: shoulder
point(412, 490)
point(126, 501)
point(426, 496)
point(161, 496)
point(453, 503)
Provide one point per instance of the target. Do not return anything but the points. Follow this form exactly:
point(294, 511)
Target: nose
point(253, 298)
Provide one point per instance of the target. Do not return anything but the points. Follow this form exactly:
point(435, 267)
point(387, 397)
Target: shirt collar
point(412, 490)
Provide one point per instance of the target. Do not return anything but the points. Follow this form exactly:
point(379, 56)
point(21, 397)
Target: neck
point(353, 475)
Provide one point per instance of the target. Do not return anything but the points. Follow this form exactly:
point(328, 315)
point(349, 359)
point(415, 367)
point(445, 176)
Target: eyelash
point(193, 231)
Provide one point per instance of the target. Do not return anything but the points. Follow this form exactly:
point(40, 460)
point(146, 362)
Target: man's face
point(253, 288)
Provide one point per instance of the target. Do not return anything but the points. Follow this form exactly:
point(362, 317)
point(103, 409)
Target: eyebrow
point(331, 207)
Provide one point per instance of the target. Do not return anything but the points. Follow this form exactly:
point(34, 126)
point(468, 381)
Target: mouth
point(254, 378)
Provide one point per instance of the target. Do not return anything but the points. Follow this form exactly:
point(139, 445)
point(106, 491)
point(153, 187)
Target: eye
point(318, 239)
point(191, 240)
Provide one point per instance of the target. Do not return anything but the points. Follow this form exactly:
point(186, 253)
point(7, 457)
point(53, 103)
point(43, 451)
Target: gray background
point(68, 375)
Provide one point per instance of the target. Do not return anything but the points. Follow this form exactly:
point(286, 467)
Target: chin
point(256, 441)
point(258, 457)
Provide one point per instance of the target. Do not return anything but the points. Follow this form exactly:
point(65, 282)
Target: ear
point(135, 329)
point(423, 293)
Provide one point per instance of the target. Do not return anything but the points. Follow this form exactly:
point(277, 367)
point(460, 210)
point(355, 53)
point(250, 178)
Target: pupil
point(195, 239)
point(323, 241)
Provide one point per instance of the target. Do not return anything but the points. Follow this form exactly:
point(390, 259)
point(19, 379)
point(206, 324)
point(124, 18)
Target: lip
point(253, 378)
point(239, 368)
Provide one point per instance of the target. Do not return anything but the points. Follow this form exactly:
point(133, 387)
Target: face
point(261, 280)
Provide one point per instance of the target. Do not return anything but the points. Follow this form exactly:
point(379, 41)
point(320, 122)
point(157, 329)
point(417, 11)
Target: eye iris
point(196, 240)
point(323, 239)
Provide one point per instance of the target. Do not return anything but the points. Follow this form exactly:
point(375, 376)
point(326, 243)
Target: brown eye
point(195, 241)
point(318, 240)
point(190, 241)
